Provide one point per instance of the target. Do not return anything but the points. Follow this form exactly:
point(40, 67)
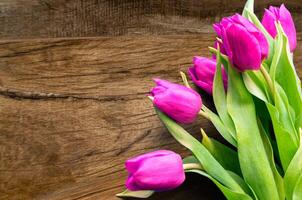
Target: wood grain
point(78, 18)
point(72, 109)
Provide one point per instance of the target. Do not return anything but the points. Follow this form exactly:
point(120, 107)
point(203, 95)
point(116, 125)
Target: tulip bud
point(159, 170)
point(179, 102)
point(244, 44)
point(203, 71)
point(282, 15)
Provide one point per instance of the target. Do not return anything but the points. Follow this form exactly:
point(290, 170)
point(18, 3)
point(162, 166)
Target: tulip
point(159, 170)
point(179, 102)
point(203, 71)
point(282, 15)
point(244, 44)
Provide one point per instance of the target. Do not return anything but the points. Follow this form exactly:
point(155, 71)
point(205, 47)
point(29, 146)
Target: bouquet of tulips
point(258, 111)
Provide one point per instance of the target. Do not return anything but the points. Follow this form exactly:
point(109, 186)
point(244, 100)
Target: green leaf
point(216, 121)
point(137, 194)
point(298, 190)
point(249, 5)
point(208, 162)
point(190, 159)
point(255, 84)
point(219, 97)
point(283, 72)
point(253, 160)
point(229, 193)
point(286, 144)
point(285, 115)
point(226, 156)
point(270, 154)
point(293, 174)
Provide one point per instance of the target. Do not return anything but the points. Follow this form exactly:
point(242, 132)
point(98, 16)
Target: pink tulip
point(179, 102)
point(159, 170)
point(203, 71)
point(274, 14)
point(244, 44)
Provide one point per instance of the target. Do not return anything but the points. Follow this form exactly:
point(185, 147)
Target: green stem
point(189, 166)
point(204, 114)
point(184, 79)
point(269, 81)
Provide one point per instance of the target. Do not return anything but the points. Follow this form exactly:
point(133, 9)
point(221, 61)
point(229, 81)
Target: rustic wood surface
point(73, 109)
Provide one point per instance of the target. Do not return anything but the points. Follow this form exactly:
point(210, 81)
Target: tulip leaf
point(219, 97)
point(285, 114)
point(190, 159)
point(270, 154)
point(225, 133)
point(228, 193)
point(286, 144)
point(249, 5)
point(208, 162)
point(226, 156)
point(253, 159)
point(255, 84)
point(298, 190)
point(283, 72)
point(293, 174)
point(137, 194)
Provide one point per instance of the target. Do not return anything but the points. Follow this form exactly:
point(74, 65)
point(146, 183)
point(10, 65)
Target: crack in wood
point(19, 95)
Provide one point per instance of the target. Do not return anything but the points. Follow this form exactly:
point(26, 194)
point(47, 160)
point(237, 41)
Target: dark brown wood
point(78, 18)
point(72, 110)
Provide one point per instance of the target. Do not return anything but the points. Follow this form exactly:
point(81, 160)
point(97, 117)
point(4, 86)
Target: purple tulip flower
point(179, 102)
point(282, 15)
point(159, 170)
point(203, 71)
point(244, 44)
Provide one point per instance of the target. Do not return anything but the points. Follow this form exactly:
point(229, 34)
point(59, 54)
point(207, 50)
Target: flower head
point(203, 71)
point(179, 102)
point(159, 170)
point(244, 44)
point(274, 14)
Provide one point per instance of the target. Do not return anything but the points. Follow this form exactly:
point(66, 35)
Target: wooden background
point(74, 75)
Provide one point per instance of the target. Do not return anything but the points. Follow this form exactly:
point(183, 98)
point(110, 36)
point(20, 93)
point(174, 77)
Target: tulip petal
point(160, 173)
point(268, 21)
point(179, 102)
point(131, 185)
point(180, 105)
point(251, 28)
point(205, 86)
point(133, 164)
point(288, 26)
point(245, 48)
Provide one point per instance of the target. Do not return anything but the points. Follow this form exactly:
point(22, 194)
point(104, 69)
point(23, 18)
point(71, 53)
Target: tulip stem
point(184, 79)
point(268, 80)
point(189, 166)
point(204, 114)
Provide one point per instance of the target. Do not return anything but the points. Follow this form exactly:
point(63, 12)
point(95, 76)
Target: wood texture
point(77, 18)
point(72, 110)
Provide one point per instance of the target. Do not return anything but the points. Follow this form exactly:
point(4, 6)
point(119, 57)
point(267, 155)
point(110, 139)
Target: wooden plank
point(82, 18)
point(73, 110)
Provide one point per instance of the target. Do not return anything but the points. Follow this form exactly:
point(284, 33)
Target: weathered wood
point(77, 18)
point(73, 110)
